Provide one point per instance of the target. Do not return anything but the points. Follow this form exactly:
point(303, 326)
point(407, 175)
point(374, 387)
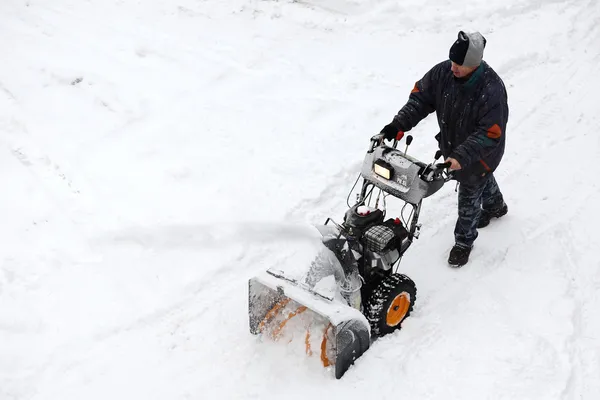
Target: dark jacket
point(472, 114)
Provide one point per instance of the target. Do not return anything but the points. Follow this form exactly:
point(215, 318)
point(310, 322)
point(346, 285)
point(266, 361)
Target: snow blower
point(352, 292)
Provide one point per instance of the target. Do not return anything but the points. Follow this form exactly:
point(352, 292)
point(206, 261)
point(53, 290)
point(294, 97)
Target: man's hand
point(391, 132)
point(454, 165)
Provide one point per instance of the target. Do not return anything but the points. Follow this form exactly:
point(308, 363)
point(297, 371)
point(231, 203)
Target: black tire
point(390, 303)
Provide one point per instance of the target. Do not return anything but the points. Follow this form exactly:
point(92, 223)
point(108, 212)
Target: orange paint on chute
point(291, 315)
point(324, 358)
point(272, 313)
point(275, 334)
point(307, 342)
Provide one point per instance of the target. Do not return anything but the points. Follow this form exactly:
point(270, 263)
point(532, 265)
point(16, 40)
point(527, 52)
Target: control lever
point(409, 140)
point(398, 138)
point(437, 155)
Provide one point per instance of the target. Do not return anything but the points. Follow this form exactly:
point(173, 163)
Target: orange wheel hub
point(398, 309)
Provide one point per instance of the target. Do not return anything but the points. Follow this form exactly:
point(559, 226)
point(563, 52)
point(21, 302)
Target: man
point(470, 101)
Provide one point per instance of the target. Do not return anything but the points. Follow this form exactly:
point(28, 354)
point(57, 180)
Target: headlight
point(383, 169)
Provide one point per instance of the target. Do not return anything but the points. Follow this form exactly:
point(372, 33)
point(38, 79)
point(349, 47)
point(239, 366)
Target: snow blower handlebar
point(376, 141)
point(443, 165)
point(441, 169)
point(429, 172)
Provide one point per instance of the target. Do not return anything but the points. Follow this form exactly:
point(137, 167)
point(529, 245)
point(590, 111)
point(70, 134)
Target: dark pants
point(471, 198)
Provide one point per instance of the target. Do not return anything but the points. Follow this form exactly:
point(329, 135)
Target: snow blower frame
point(372, 299)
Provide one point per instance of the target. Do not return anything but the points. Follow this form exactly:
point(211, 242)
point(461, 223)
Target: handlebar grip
point(443, 165)
point(377, 138)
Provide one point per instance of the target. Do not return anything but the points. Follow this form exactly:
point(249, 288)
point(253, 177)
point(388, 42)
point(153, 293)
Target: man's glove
point(390, 132)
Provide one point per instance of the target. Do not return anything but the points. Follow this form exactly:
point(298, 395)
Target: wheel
point(390, 303)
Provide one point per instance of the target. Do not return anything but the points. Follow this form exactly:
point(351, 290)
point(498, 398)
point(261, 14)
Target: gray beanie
point(468, 49)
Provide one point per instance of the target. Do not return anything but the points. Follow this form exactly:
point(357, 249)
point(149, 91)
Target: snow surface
point(155, 155)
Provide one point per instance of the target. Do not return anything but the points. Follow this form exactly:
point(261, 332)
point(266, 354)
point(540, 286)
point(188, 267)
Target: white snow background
point(156, 154)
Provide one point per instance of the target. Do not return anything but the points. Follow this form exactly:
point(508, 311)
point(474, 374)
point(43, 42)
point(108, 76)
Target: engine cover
point(358, 221)
point(385, 237)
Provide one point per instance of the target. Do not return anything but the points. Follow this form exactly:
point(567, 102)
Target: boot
point(459, 255)
point(487, 215)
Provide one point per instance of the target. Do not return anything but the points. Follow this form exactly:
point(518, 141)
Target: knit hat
point(468, 49)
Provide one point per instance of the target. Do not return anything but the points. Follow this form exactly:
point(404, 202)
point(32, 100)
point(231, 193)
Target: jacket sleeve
point(421, 101)
point(487, 136)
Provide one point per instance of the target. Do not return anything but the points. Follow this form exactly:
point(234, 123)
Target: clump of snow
point(326, 286)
